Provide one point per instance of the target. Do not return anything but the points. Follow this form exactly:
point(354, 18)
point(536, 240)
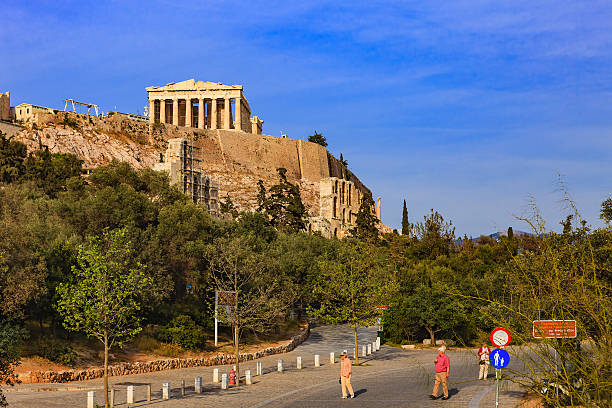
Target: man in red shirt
point(442, 363)
point(346, 369)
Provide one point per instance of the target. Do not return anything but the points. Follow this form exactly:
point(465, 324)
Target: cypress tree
point(405, 222)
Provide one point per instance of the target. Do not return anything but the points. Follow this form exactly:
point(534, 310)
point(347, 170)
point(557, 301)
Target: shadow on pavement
point(361, 391)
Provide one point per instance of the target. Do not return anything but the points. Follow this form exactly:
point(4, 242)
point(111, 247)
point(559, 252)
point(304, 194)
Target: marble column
point(151, 110)
point(238, 113)
point(175, 111)
point(162, 111)
point(226, 114)
point(188, 112)
point(201, 110)
point(213, 113)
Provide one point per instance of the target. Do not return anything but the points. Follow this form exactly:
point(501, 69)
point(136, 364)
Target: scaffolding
point(89, 106)
point(200, 187)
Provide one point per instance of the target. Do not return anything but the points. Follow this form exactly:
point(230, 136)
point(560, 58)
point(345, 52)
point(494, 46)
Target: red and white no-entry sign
point(500, 337)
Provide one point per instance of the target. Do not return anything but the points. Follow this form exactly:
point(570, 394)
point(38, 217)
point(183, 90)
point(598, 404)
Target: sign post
point(222, 298)
point(499, 358)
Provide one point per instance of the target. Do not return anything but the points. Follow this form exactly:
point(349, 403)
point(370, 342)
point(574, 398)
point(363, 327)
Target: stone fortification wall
point(236, 160)
point(160, 365)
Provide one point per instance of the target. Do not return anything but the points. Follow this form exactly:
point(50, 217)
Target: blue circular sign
point(499, 358)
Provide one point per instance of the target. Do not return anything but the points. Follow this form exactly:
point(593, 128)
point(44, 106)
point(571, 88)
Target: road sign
point(500, 337)
point(554, 329)
point(381, 308)
point(499, 358)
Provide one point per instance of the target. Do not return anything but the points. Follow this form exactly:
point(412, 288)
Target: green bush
point(58, 352)
point(184, 332)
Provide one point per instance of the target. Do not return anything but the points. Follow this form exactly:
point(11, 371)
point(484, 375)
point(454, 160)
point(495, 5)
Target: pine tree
point(405, 222)
point(228, 207)
point(283, 206)
point(342, 161)
point(318, 139)
point(366, 221)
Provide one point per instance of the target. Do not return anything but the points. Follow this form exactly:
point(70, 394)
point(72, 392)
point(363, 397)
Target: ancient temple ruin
point(202, 105)
point(182, 163)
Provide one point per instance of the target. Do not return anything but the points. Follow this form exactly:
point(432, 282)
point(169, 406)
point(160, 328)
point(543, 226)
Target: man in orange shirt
point(346, 368)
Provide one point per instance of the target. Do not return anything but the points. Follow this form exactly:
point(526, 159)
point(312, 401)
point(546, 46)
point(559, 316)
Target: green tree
point(434, 310)
point(342, 161)
point(12, 156)
point(238, 264)
point(107, 293)
point(365, 220)
point(405, 223)
point(50, 171)
point(10, 338)
point(351, 285)
point(606, 211)
point(283, 206)
point(227, 207)
point(318, 139)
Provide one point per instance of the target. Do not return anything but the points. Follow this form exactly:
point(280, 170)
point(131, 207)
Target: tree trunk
point(356, 346)
point(106, 404)
point(431, 335)
point(237, 352)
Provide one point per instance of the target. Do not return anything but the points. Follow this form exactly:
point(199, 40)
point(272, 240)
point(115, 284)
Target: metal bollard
point(363, 351)
point(166, 390)
point(216, 375)
point(332, 358)
point(259, 368)
point(182, 388)
point(130, 394)
point(112, 398)
point(247, 375)
point(198, 385)
point(280, 366)
point(148, 392)
point(299, 363)
point(369, 349)
point(91, 399)
point(224, 381)
point(317, 363)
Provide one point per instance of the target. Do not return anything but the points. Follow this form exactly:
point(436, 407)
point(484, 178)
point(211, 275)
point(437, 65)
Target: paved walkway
point(388, 378)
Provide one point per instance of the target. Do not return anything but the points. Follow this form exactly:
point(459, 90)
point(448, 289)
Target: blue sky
point(471, 107)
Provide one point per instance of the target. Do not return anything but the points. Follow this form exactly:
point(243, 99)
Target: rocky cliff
point(236, 160)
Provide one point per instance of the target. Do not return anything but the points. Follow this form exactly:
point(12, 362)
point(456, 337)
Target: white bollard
point(378, 343)
point(280, 366)
point(373, 346)
point(198, 385)
point(224, 381)
point(259, 368)
point(130, 394)
point(317, 363)
point(112, 398)
point(363, 351)
point(166, 390)
point(216, 375)
point(369, 349)
point(299, 363)
point(332, 358)
point(247, 374)
point(91, 399)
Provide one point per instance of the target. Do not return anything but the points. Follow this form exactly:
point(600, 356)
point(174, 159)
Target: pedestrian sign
point(499, 358)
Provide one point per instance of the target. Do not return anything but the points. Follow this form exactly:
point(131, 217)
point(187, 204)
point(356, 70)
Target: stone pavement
point(389, 378)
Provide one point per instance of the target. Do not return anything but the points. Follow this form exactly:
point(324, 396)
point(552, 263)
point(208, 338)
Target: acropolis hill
point(229, 142)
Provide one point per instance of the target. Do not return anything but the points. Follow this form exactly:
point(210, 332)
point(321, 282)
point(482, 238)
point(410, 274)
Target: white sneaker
point(343, 397)
point(352, 396)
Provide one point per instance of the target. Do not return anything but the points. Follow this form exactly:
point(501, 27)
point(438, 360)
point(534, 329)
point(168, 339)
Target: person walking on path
point(483, 361)
point(442, 363)
point(346, 368)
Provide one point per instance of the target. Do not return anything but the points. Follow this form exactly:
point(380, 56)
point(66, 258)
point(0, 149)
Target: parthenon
point(202, 105)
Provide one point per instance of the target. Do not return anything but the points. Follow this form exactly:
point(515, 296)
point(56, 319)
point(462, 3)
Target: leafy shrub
point(184, 332)
point(58, 352)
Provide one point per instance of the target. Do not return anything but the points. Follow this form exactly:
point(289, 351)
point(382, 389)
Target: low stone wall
point(161, 365)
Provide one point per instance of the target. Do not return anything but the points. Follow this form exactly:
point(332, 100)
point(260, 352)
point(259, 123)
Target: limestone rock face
point(235, 160)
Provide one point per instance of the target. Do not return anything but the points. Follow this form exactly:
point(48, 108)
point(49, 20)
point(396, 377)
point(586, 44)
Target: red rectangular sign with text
point(554, 329)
